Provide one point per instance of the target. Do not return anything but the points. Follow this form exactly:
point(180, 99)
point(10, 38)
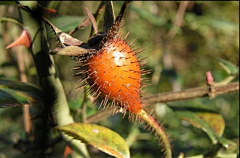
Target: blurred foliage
point(210, 31)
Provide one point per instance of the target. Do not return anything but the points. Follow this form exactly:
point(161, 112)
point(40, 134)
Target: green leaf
point(196, 121)
point(230, 68)
point(67, 23)
point(16, 93)
point(99, 137)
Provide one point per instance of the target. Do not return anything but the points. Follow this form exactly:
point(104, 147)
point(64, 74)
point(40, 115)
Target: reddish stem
point(163, 137)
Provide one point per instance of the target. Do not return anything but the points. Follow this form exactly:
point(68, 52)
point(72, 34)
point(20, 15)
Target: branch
point(191, 93)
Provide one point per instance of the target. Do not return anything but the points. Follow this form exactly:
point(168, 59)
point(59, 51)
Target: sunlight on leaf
point(99, 137)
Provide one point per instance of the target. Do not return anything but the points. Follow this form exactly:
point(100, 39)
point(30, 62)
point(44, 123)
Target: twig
point(179, 19)
point(192, 93)
point(174, 96)
point(23, 78)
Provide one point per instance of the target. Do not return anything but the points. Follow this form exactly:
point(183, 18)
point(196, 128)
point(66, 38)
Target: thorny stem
point(164, 141)
point(55, 97)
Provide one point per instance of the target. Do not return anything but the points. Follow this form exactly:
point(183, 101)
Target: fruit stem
point(163, 137)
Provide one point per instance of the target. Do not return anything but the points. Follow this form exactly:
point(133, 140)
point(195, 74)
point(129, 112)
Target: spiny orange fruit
point(114, 73)
point(114, 76)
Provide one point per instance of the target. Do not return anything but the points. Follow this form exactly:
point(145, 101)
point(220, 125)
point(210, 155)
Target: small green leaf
point(16, 93)
point(196, 121)
point(99, 137)
point(230, 68)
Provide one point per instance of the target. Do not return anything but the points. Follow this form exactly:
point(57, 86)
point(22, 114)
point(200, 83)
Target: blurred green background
point(209, 31)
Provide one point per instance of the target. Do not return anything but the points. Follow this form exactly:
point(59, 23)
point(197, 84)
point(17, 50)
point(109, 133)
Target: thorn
point(145, 72)
point(82, 85)
point(23, 39)
point(47, 11)
point(133, 41)
point(126, 36)
point(138, 50)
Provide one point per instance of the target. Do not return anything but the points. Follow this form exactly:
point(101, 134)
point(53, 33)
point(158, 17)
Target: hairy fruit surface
point(114, 75)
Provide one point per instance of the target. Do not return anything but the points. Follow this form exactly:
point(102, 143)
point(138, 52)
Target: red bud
point(209, 78)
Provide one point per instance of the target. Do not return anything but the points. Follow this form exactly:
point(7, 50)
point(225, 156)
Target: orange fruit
point(114, 75)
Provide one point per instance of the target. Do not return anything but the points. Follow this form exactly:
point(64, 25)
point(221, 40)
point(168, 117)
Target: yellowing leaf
point(214, 120)
point(99, 137)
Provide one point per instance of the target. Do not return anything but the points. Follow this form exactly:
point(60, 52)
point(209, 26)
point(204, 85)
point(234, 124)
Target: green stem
point(55, 97)
point(163, 137)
